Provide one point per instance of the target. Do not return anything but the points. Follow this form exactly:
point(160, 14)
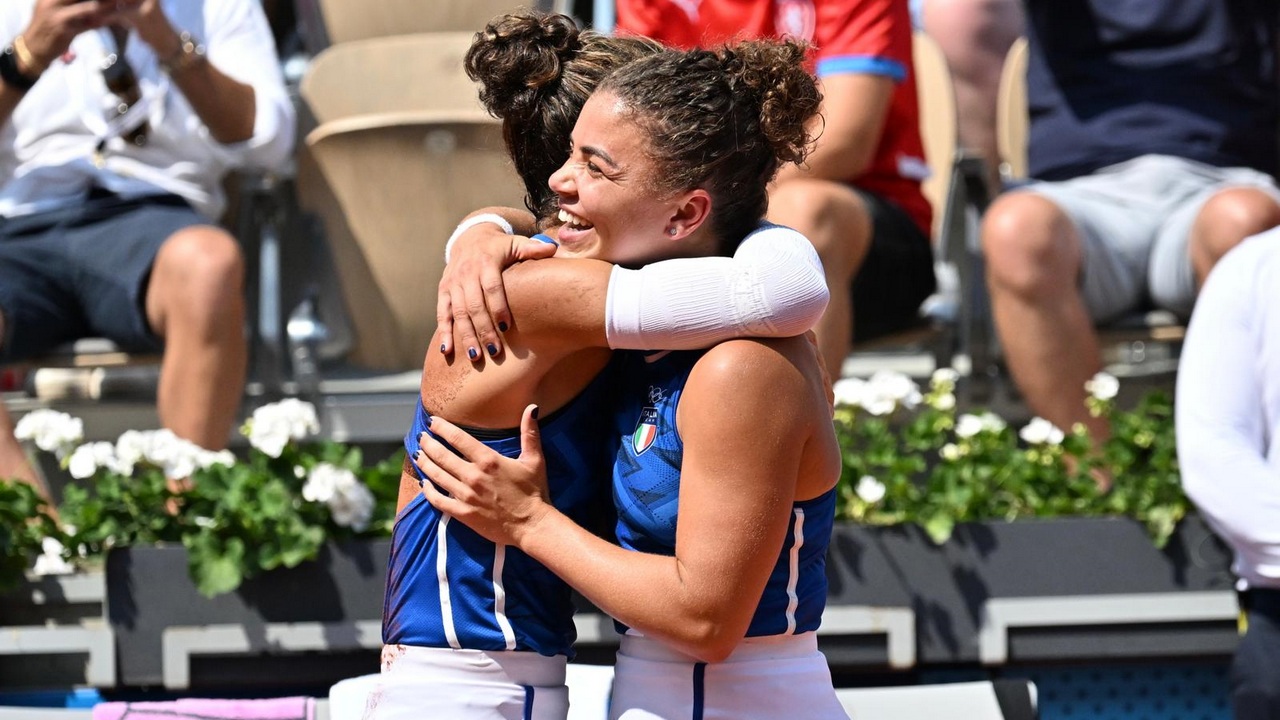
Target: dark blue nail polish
point(473, 353)
point(422, 439)
point(441, 347)
point(493, 349)
point(502, 327)
point(534, 413)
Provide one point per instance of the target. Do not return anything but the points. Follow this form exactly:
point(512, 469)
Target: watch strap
point(9, 72)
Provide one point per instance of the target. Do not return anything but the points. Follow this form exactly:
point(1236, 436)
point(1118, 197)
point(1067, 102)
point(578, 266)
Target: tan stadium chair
point(348, 20)
point(403, 180)
point(393, 74)
point(1012, 120)
point(938, 124)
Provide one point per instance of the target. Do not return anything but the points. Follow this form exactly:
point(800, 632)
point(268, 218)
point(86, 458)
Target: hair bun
point(773, 76)
point(517, 57)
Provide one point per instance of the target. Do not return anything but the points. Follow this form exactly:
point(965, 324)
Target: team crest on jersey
point(646, 430)
point(796, 19)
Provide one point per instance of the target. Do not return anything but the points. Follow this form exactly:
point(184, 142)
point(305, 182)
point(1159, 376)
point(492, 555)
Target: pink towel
point(289, 708)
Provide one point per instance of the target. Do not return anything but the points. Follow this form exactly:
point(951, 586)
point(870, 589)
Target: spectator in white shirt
point(1228, 418)
point(118, 120)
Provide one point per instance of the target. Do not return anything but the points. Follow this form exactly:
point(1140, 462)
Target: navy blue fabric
point(538, 605)
point(699, 689)
point(83, 271)
point(646, 493)
point(1111, 80)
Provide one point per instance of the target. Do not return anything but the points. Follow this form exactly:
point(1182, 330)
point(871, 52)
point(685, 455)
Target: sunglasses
point(123, 83)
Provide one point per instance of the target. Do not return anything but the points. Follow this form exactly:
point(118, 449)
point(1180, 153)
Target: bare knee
point(1031, 246)
point(831, 215)
point(1230, 216)
point(198, 277)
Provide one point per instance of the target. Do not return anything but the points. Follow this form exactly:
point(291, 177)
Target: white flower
point(870, 490)
point(52, 561)
point(879, 406)
point(273, 426)
point(950, 452)
point(51, 431)
point(993, 423)
point(1040, 431)
point(1103, 386)
point(353, 508)
point(968, 425)
point(322, 483)
point(850, 391)
point(943, 402)
point(944, 377)
point(177, 458)
point(350, 502)
point(87, 458)
point(209, 458)
point(299, 471)
point(895, 386)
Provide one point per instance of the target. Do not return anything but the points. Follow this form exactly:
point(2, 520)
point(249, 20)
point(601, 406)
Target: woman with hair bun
point(726, 460)
point(476, 629)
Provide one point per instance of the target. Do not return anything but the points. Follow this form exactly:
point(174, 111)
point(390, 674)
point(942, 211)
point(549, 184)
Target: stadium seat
point(348, 20)
point(403, 180)
point(409, 72)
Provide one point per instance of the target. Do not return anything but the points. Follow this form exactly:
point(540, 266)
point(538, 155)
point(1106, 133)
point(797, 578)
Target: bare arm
point(741, 465)
point(848, 127)
point(54, 24)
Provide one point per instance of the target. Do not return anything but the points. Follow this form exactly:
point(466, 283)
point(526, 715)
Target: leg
point(1034, 259)
point(1255, 671)
point(836, 221)
point(13, 461)
point(1225, 220)
point(975, 36)
point(195, 302)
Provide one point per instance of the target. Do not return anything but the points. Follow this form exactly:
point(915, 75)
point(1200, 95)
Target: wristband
point(471, 222)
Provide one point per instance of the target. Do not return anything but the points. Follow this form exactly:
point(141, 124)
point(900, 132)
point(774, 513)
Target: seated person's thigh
point(896, 275)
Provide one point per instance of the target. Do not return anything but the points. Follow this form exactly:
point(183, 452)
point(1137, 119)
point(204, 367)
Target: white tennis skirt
point(422, 683)
point(776, 678)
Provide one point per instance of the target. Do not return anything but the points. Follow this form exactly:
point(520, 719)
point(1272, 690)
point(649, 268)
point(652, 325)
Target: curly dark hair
point(536, 71)
point(724, 120)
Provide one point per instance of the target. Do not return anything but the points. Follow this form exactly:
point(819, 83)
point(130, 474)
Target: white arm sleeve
point(1226, 395)
point(773, 286)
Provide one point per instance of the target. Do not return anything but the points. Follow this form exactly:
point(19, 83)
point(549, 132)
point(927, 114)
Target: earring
point(672, 232)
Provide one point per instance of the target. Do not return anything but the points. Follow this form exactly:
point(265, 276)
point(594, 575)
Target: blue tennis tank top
point(646, 491)
point(449, 587)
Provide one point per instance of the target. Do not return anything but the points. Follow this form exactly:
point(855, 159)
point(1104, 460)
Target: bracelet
point(189, 53)
point(27, 57)
point(471, 222)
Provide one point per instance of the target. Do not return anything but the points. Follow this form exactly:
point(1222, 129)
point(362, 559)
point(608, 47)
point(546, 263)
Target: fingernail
point(473, 353)
point(502, 327)
point(535, 412)
point(422, 438)
point(493, 349)
point(441, 347)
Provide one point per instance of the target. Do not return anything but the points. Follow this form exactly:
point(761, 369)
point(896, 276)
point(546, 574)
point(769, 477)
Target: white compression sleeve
point(773, 286)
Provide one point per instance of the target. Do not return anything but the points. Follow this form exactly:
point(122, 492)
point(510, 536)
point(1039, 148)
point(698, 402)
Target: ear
point(691, 211)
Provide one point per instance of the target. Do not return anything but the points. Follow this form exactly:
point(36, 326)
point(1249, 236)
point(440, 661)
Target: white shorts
point(763, 679)
point(1134, 221)
point(421, 683)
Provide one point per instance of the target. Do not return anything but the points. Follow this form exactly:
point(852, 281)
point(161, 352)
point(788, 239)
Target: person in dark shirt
point(1153, 144)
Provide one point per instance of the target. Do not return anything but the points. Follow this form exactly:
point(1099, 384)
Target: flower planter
point(1034, 590)
point(310, 625)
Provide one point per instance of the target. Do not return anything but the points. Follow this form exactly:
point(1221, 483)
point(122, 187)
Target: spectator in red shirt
point(858, 198)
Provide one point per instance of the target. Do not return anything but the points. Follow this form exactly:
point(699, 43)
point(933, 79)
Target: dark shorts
point(1255, 670)
point(895, 277)
point(83, 272)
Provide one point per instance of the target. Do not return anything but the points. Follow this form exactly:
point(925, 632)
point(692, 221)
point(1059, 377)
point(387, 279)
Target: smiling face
point(610, 201)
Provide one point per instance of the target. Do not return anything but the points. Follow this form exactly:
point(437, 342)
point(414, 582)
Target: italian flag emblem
point(646, 430)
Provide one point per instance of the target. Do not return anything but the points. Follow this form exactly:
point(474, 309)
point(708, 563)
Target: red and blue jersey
point(850, 36)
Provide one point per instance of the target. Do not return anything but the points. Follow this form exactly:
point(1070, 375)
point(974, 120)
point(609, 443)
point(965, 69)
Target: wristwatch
point(9, 72)
point(190, 52)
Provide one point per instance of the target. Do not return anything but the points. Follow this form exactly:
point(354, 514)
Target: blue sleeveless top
point(646, 490)
point(448, 587)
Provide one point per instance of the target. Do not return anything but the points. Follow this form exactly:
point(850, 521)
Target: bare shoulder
point(762, 368)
